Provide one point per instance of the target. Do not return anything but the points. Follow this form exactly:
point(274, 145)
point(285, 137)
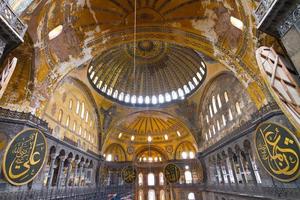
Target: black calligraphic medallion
point(278, 150)
point(172, 173)
point(129, 174)
point(24, 157)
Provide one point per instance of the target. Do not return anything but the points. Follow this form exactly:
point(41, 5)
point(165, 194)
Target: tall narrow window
point(207, 119)
point(219, 101)
point(218, 125)
point(188, 177)
point(140, 179)
point(191, 196)
point(238, 108)
point(210, 111)
point(87, 116)
point(162, 195)
point(60, 115)
point(68, 121)
point(226, 97)
point(161, 179)
point(74, 126)
point(214, 130)
point(80, 130)
point(230, 114)
point(214, 104)
point(151, 179)
point(151, 195)
point(141, 195)
point(82, 110)
point(77, 107)
point(224, 120)
point(70, 104)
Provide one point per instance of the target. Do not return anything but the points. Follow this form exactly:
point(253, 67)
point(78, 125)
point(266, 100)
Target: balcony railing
point(258, 191)
point(8, 16)
point(263, 9)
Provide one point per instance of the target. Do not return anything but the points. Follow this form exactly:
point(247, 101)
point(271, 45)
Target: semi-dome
point(147, 73)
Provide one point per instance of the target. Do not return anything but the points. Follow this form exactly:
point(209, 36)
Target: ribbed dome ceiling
point(163, 72)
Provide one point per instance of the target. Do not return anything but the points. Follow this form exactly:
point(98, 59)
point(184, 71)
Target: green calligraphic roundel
point(172, 173)
point(24, 157)
point(129, 174)
point(278, 150)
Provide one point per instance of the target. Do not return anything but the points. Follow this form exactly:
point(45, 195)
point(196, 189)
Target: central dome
point(147, 73)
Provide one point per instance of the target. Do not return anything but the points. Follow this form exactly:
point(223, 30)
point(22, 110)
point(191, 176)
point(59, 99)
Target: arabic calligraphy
point(172, 173)
point(129, 174)
point(24, 157)
point(278, 151)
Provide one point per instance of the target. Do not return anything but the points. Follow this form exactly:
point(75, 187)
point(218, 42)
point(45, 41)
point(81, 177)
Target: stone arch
point(116, 150)
point(143, 149)
point(184, 146)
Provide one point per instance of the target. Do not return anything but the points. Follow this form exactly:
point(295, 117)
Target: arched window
point(68, 121)
point(188, 177)
point(74, 126)
point(70, 104)
point(141, 195)
point(151, 179)
point(77, 107)
point(60, 115)
point(226, 97)
point(162, 195)
point(140, 179)
point(87, 116)
point(161, 179)
point(82, 110)
point(219, 101)
point(184, 155)
point(191, 196)
point(109, 157)
point(214, 104)
point(151, 195)
point(238, 108)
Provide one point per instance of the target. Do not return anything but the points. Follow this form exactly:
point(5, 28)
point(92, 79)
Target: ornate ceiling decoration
point(148, 73)
point(149, 127)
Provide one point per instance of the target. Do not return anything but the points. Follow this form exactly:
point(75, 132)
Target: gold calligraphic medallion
point(24, 157)
point(172, 173)
point(278, 150)
point(129, 174)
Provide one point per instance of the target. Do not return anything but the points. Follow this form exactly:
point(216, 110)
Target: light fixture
point(55, 32)
point(237, 23)
point(149, 138)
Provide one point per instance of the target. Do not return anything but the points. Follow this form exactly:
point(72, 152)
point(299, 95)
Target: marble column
point(80, 172)
point(226, 169)
point(242, 170)
point(233, 169)
point(60, 170)
point(51, 169)
point(247, 155)
point(70, 160)
point(219, 163)
point(75, 171)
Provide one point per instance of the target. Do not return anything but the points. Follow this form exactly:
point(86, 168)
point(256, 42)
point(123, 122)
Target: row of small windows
point(155, 99)
point(224, 119)
point(80, 131)
point(151, 178)
point(150, 159)
point(187, 155)
point(162, 195)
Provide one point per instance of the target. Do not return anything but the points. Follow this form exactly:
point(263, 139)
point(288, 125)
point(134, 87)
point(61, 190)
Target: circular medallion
point(130, 150)
point(169, 149)
point(172, 173)
point(24, 157)
point(278, 150)
point(129, 174)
